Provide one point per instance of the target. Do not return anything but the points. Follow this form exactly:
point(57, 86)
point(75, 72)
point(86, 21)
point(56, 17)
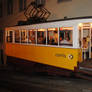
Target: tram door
point(86, 41)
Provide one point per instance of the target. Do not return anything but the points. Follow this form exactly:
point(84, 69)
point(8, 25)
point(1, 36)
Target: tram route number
point(60, 55)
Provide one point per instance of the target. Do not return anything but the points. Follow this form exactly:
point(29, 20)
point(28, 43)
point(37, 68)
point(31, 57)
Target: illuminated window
point(24, 37)
point(41, 36)
point(9, 7)
point(65, 34)
point(59, 1)
point(40, 2)
point(22, 5)
point(17, 36)
point(9, 36)
point(32, 36)
point(52, 36)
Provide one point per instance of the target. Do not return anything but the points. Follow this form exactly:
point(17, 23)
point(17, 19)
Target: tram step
point(84, 76)
point(84, 73)
point(86, 65)
point(85, 70)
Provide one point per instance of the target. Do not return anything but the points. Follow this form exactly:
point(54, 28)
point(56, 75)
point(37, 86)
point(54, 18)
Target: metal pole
point(0, 57)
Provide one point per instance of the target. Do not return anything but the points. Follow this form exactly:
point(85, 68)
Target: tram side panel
point(66, 58)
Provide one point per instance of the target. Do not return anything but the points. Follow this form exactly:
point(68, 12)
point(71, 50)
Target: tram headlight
point(70, 56)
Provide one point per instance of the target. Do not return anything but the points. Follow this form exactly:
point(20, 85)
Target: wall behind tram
point(69, 8)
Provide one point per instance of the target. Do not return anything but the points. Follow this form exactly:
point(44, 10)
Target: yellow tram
point(62, 44)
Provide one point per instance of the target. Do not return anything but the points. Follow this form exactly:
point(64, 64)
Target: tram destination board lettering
point(60, 55)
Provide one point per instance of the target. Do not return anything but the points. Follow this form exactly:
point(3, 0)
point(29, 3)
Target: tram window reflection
point(52, 36)
point(32, 36)
point(41, 36)
point(17, 36)
point(24, 37)
point(65, 34)
point(9, 36)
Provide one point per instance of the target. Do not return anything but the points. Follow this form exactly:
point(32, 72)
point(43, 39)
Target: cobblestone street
point(15, 81)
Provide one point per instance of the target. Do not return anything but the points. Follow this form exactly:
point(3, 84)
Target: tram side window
point(17, 36)
point(52, 36)
point(65, 34)
point(24, 37)
point(9, 36)
point(41, 36)
point(32, 36)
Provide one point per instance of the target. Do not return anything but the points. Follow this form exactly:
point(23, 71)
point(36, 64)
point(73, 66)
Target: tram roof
point(65, 19)
point(74, 18)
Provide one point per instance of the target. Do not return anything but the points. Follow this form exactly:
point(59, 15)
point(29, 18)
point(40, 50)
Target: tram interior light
point(91, 24)
point(81, 24)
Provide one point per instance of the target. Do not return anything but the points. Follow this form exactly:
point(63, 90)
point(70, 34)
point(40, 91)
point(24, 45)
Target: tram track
point(23, 82)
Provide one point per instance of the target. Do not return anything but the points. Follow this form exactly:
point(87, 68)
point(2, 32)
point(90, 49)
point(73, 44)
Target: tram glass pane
point(9, 36)
point(17, 36)
point(24, 37)
point(41, 36)
point(52, 36)
point(32, 36)
point(65, 36)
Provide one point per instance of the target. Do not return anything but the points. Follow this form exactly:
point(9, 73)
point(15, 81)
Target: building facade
point(11, 11)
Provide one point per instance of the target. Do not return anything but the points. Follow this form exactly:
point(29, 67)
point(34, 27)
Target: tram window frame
point(9, 36)
point(32, 36)
point(52, 37)
point(41, 36)
point(24, 36)
point(18, 40)
point(67, 36)
point(79, 28)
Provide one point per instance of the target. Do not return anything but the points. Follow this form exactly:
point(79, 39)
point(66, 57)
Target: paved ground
point(15, 81)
